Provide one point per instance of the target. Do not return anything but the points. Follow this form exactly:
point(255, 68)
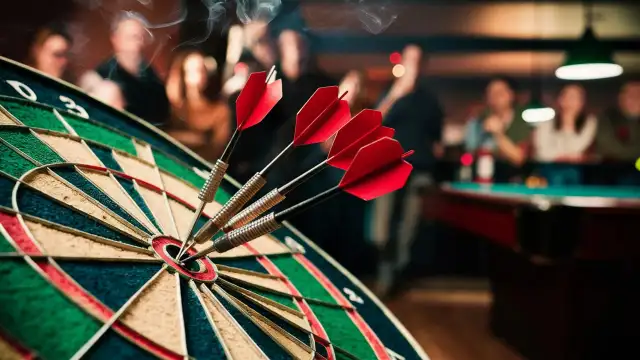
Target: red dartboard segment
point(14, 228)
point(377, 346)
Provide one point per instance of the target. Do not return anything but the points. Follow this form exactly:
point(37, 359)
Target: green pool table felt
point(551, 191)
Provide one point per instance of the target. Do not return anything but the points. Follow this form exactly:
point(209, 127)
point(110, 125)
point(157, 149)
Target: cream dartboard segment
point(94, 205)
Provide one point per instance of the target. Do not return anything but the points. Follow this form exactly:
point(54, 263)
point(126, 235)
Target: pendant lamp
point(589, 58)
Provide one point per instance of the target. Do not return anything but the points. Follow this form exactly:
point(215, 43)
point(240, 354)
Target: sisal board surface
point(61, 243)
point(24, 321)
point(63, 193)
point(158, 204)
point(304, 281)
point(6, 120)
point(113, 189)
point(13, 163)
point(100, 134)
point(7, 352)
point(71, 150)
point(30, 145)
point(144, 152)
point(155, 313)
point(239, 345)
point(265, 282)
point(176, 168)
point(34, 116)
point(267, 245)
point(187, 193)
point(138, 169)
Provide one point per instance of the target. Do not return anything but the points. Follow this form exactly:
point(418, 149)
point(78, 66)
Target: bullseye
point(167, 248)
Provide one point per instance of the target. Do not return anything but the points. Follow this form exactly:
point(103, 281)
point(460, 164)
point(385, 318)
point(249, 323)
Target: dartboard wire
point(40, 166)
point(254, 316)
point(362, 288)
point(145, 222)
point(259, 300)
point(137, 187)
point(26, 185)
point(216, 331)
point(81, 170)
point(139, 231)
point(301, 302)
point(235, 280)
point(133, 203)
point(10, 116)
point(224, 312)
point(73, 231)
point(64, 122)
point(116, 315)
point(180, 312)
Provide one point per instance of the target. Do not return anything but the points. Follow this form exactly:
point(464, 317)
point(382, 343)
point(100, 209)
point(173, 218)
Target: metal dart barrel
point(206, 195)
point(259, 207)
point(237, 201)
point(237, 237)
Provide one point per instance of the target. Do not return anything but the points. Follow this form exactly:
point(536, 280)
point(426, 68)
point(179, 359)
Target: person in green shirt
point(618, 135)
point(500, 127)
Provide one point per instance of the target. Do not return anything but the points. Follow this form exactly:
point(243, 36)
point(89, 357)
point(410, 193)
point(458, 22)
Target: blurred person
point(417, 116)
point(200, 117)
point(104, 90)
point(143, 90)
point(259, 54)
point(50, 52)
point(300, 79)
point(565, 139)
point(500, 127)
point(618, 136)
point(569, 135)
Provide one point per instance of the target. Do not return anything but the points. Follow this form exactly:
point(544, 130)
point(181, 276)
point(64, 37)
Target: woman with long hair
point(50, 50)
point(200, 118)
point(565, 139)
point(569, 136)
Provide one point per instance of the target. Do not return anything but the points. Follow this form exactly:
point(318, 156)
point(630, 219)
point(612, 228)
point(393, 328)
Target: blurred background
point(550, 90)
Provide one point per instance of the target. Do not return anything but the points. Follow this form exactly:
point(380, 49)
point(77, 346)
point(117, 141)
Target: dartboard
point(93, 205)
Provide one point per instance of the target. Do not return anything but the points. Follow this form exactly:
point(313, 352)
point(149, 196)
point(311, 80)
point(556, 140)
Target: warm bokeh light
point(398, 70)
point(466, 159)
point(395, 58)
point(588, 71)
point(240, 67)
point(538, 114)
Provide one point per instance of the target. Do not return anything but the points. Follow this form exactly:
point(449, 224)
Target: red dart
point(363, 129)
point(256, 99)
point(254, 102)
point(320, 117)
point(378, 169)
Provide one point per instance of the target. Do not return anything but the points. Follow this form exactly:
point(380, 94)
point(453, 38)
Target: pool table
point(563, 262)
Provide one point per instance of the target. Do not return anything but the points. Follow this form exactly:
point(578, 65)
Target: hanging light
point(589, 59)
point(536, 112)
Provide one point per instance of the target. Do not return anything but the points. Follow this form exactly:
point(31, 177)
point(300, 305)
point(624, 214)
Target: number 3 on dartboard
point(27, 93)
point(353, 297)
point(73, 107)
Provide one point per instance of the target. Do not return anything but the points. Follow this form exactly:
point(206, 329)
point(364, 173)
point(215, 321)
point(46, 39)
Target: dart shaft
point(307, 204)
point(281, 155)
point(237, 201)
point(226, 154)
point(291, 185)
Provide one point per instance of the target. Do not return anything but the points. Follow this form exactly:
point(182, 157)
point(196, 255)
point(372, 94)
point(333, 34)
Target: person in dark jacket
point(143, 90)
point(416, 115)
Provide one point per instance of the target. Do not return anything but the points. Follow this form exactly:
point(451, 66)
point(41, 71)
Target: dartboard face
point(94, 204)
